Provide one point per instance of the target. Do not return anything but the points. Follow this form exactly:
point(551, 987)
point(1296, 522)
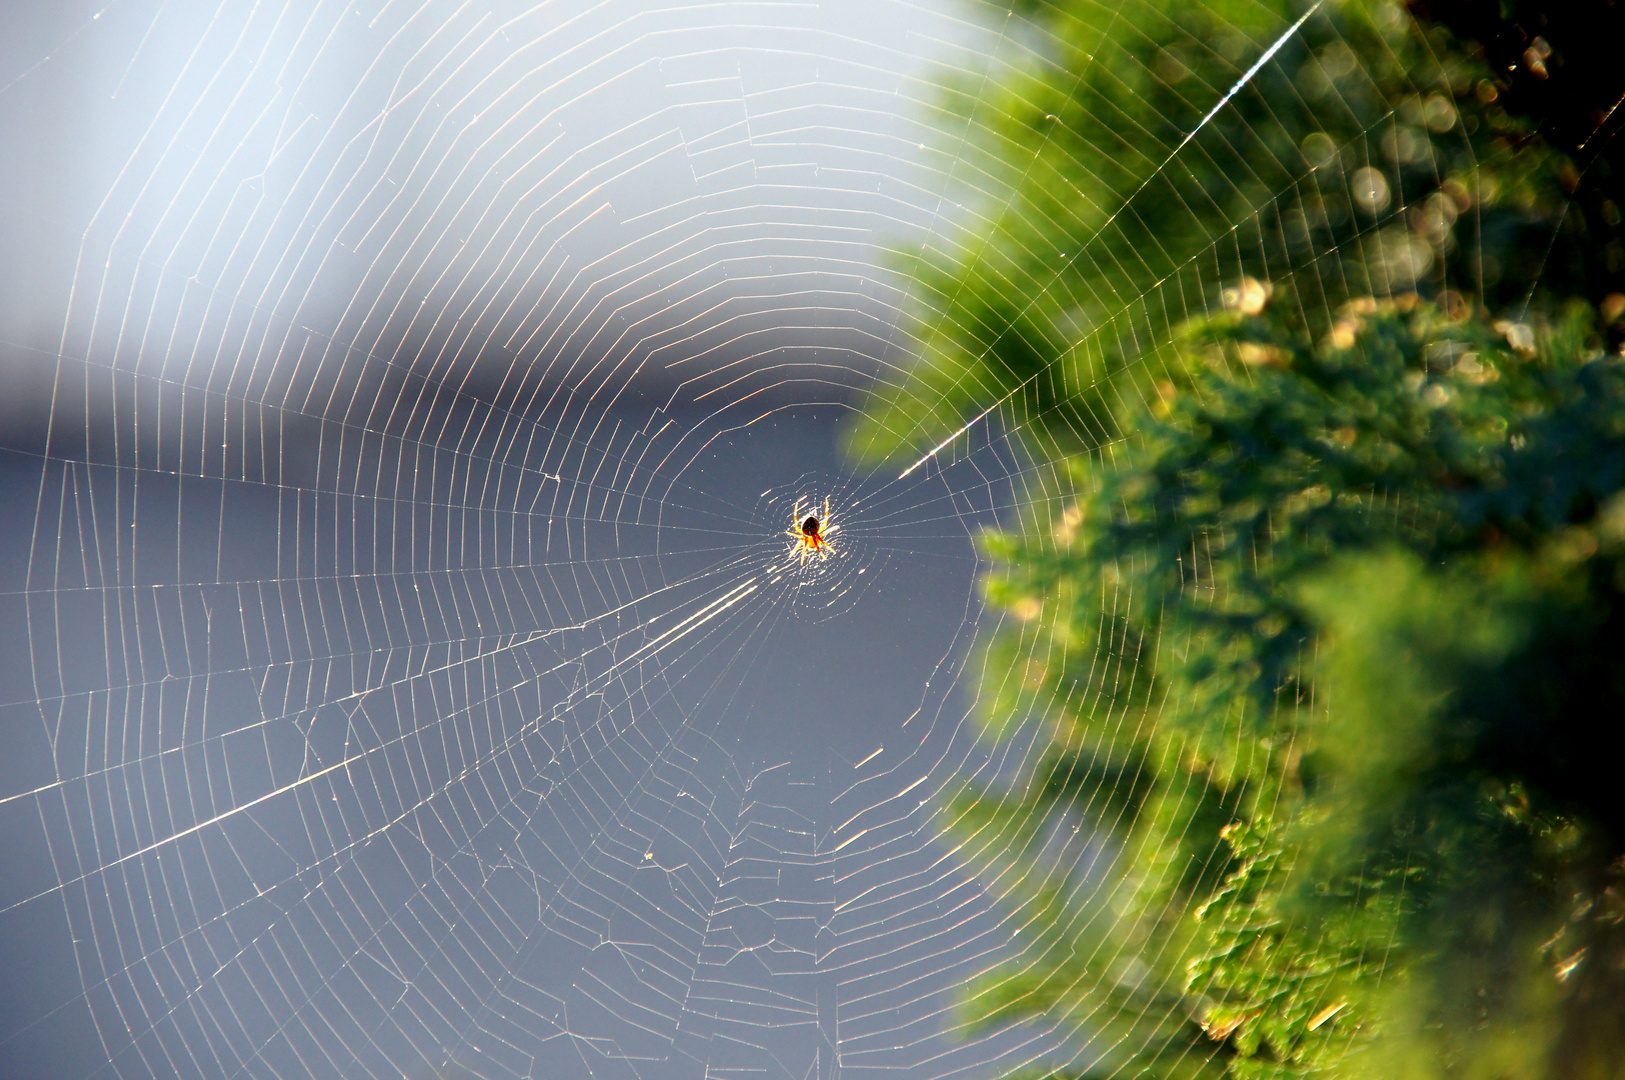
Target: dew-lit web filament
point(1068, 260)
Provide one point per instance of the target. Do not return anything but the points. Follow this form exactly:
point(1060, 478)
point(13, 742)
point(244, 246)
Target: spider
point(811, 533)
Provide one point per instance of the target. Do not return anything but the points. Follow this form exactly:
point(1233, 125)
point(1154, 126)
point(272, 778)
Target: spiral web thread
point(406, 596)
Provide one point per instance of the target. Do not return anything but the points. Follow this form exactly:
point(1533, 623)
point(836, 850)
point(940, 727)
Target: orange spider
point(811, 534)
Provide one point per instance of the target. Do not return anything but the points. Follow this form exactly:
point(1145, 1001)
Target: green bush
point(1330, 653)
point(1316, 592)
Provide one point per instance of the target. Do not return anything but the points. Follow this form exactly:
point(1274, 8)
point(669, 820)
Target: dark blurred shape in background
point(1557, 67)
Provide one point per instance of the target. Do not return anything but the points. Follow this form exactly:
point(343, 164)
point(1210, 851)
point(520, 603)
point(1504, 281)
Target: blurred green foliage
point(1330, 651)
point(1366, 158)
point(1317, 597)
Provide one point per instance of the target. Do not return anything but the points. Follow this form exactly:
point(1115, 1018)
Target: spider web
point(410, 673)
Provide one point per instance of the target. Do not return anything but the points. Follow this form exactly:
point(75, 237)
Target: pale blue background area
point(309, 312)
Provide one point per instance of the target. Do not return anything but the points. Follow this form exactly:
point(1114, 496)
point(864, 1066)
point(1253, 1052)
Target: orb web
point(413, 675)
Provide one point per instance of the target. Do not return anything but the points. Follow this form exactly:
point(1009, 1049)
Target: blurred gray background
point(401, 409)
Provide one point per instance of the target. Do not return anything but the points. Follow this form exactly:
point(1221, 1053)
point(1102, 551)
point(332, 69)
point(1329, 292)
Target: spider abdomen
point(808, 533)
